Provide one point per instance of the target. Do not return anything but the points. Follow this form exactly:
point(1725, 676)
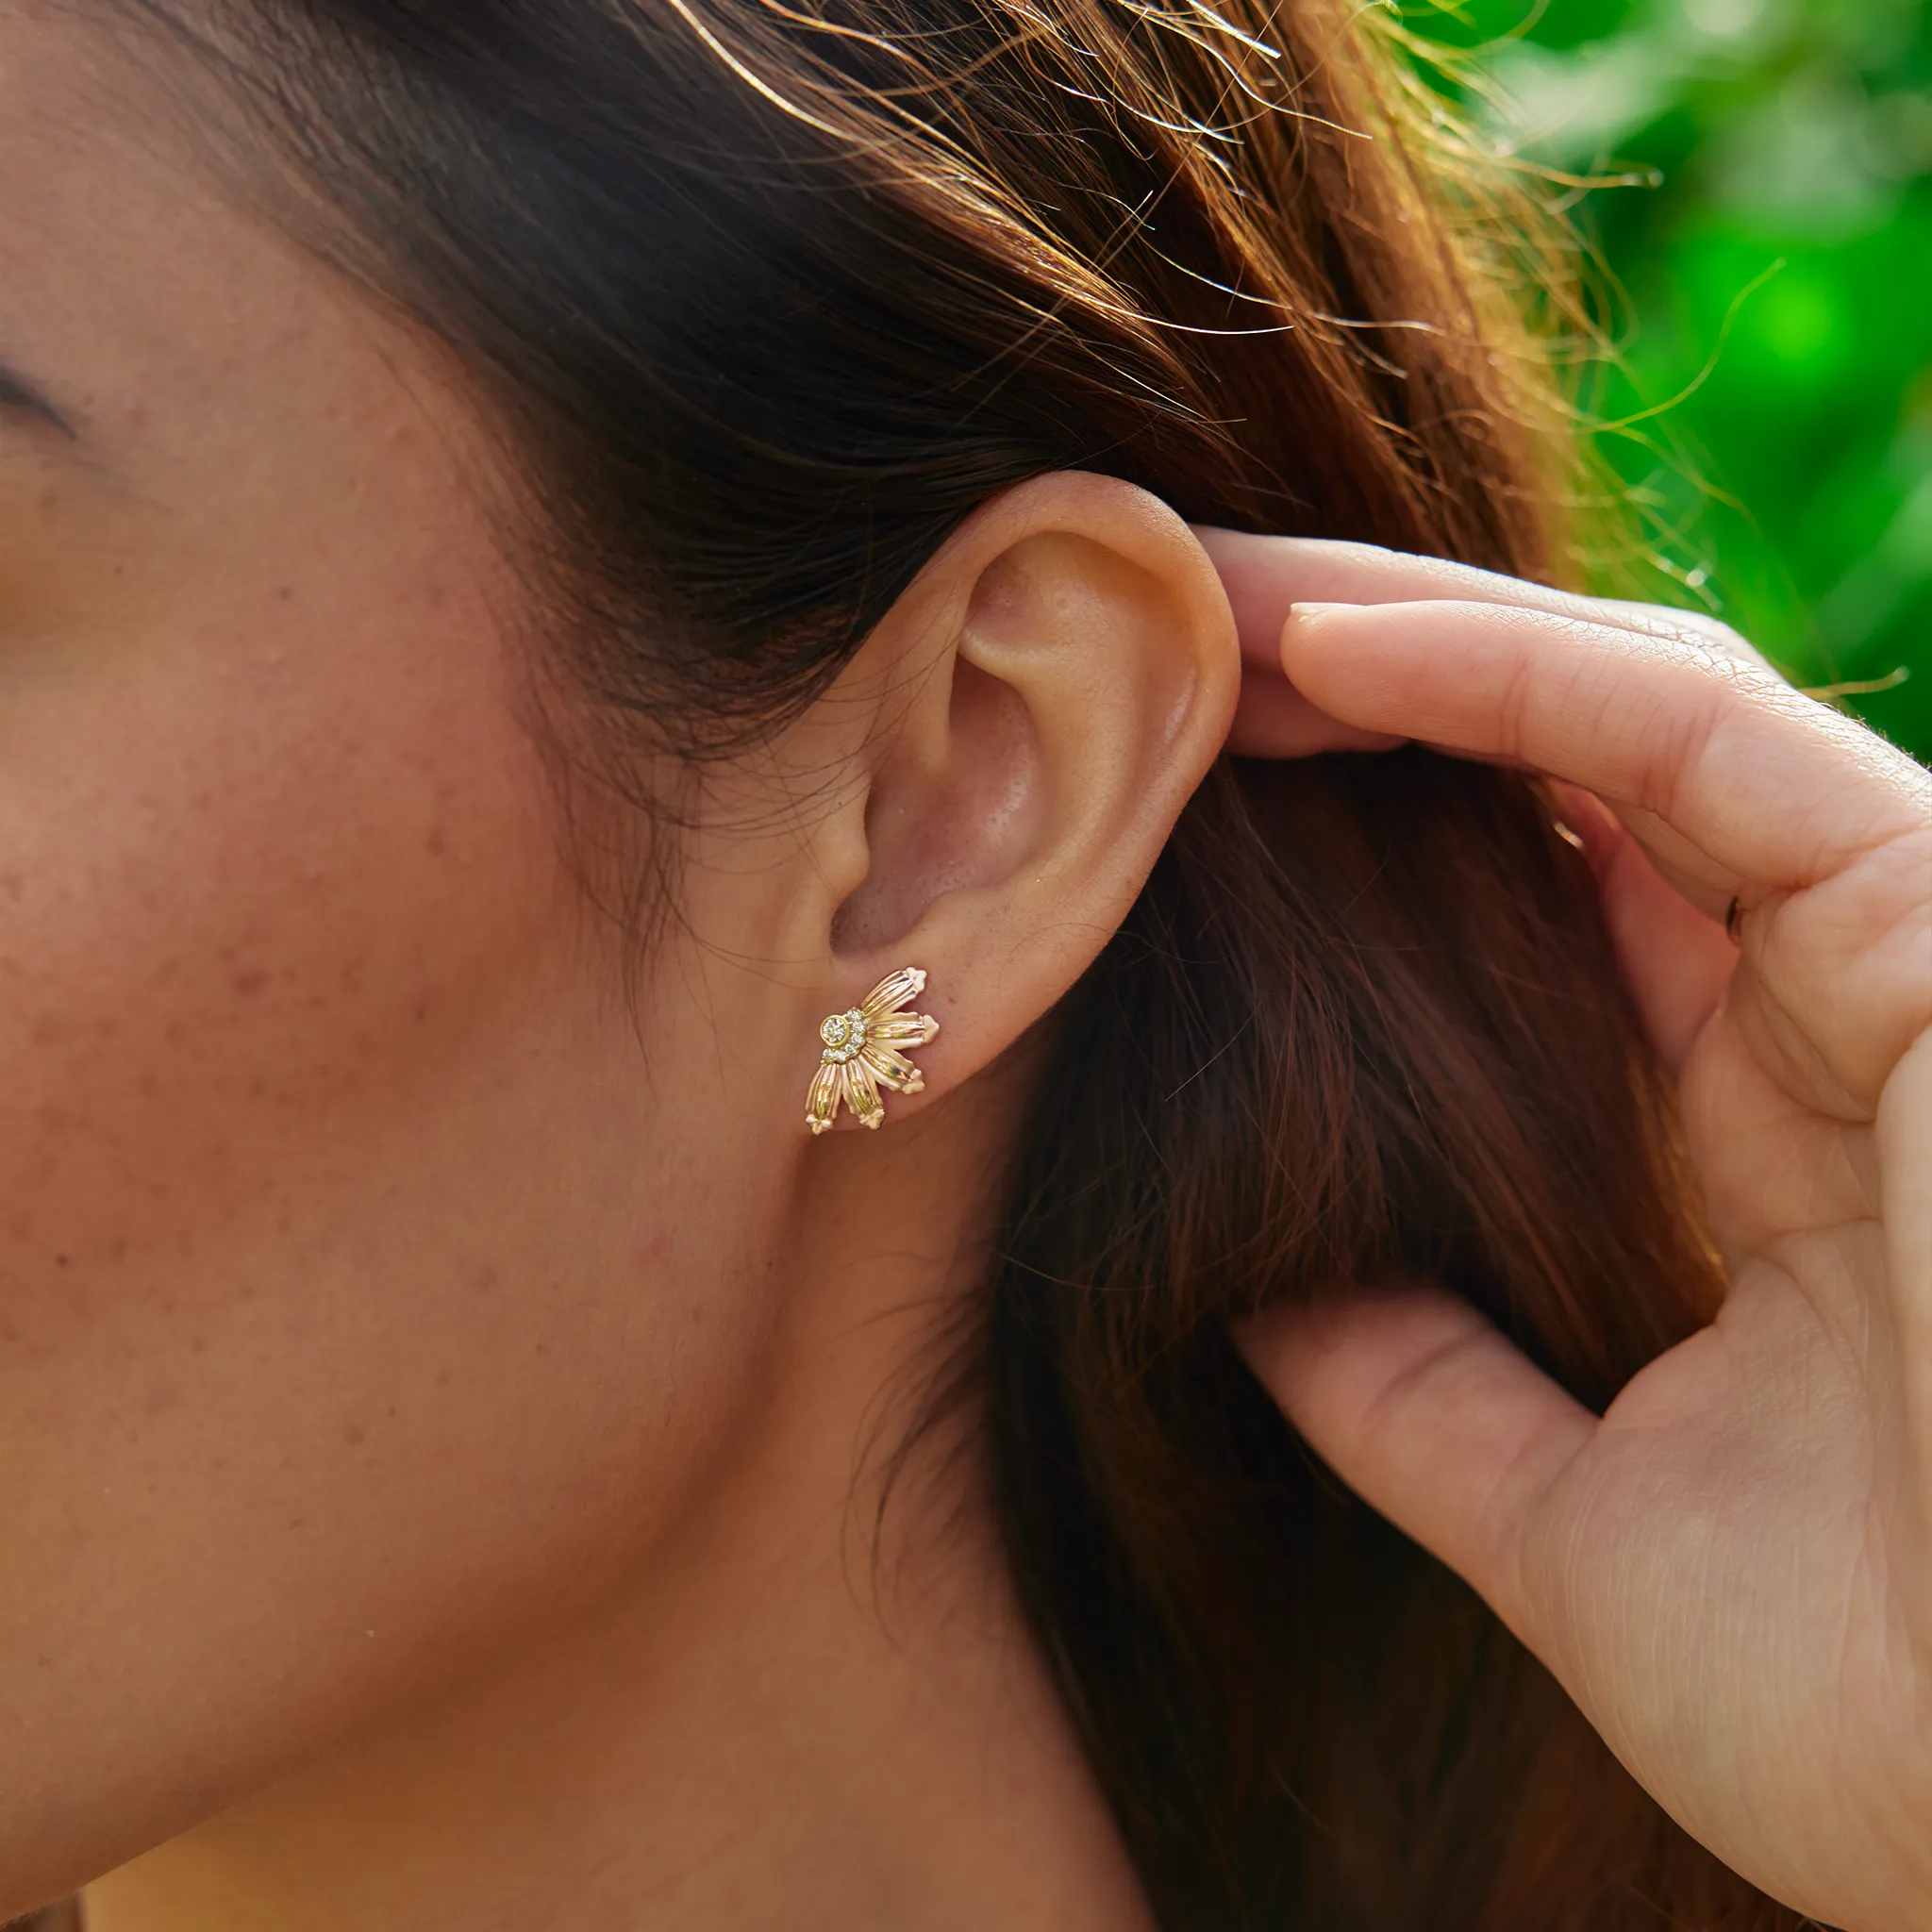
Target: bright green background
point(1793, 485)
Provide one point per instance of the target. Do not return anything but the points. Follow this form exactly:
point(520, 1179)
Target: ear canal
point(864, 1050)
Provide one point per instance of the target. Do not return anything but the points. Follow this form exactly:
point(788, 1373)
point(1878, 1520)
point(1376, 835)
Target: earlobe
point(1066, 670)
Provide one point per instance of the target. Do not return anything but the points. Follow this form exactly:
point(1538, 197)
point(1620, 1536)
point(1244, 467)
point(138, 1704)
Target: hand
point(1731, 1571)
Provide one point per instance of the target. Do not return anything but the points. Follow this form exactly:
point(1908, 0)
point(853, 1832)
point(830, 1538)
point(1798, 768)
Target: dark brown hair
point(770, 297)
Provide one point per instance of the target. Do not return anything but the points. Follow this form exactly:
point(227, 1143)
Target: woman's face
point(345, 1229)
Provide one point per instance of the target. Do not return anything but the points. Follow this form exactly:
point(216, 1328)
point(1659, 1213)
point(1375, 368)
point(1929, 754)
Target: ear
point(1041, 704)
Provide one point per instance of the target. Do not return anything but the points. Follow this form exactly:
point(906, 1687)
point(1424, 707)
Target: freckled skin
point(290, 973)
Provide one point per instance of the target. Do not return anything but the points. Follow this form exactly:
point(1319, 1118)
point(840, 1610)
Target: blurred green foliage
point(1769, 263)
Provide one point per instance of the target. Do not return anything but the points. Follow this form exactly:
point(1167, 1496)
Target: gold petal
point(889, 1069)
point(895, 990)
point(862, 1095)
point(821, 1102)
point(902, 1029)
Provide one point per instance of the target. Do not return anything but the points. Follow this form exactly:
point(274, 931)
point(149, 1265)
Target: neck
point(797, 1712)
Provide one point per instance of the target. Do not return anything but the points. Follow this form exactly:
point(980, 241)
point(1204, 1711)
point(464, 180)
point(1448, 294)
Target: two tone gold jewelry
point(865, 1049)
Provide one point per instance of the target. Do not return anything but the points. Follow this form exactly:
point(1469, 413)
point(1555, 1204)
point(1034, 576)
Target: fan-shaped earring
point(865, 1049)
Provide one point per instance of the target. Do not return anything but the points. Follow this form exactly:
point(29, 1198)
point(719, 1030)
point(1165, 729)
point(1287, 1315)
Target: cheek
point(344, 1258)
point(246, 888)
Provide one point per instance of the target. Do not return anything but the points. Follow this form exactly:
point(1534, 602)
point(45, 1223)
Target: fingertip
point(1284, 1345)
point(1432, 1416)
point(1350, 1343)
point(1310, 625)
point(1308, 613)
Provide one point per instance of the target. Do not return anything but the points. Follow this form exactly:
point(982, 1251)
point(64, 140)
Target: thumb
point(1432, 1417)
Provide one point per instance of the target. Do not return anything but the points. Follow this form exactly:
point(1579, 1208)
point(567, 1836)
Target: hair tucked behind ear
point(1363, 1027)
point(769, 296)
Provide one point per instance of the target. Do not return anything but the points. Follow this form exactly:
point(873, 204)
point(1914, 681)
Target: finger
point(1433, 1419)
point(1808, 818)
point(1272, 720)
point(1676, 959)
point(1264, 576)
point(1776, 791)
point(1768, 1169)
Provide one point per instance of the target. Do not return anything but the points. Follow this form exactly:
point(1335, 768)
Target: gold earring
point(864, 1052)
